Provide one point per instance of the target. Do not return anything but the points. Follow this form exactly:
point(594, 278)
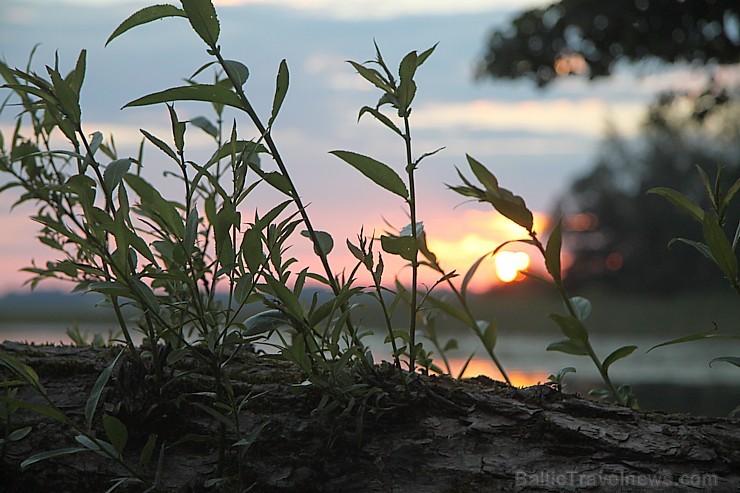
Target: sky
point(535, 141)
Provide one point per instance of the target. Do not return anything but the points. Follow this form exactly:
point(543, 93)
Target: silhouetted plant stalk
point(578, 309)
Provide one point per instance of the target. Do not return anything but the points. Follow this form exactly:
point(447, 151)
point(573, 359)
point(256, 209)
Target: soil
point(475, 435)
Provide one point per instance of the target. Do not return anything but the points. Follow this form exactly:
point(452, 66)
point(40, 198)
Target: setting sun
point(509, 264)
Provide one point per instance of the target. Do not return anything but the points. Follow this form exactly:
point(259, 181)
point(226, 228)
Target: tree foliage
point(617, 233)
point(591, 36)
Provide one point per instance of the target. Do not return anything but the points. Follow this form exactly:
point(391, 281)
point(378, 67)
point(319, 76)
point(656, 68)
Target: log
point(474, 435)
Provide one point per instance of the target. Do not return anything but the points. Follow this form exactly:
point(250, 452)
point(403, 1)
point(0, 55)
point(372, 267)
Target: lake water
point(674, 378)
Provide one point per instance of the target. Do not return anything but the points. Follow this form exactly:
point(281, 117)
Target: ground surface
point(478, 435)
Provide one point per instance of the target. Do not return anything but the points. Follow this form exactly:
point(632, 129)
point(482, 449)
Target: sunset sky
point(535, 141)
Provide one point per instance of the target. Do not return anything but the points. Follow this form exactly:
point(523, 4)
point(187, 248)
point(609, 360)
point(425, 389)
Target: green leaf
point(50, 455)
point(146, 452)
point(403, 246)
point(95, 141)
point(679, 200)
point(224, 222)
point(115, 172)
point(552, 252)
point(266, 321)
point(452, 311)
point(76, 77)
point(720, 247)
point(582, 307)
point(372, 76)
point(325, 242)
point(600, 394)
point(236, 70)
point(202, 16)
point(242, 147)
point(251, 249)
point(571, 327)
point(164, 147)
point(726, 359)
point(469, 275)
point(178, 129)
point(707, 186)
point(69, 100)
point(144, 16)
point(731, 192)
point(43, 410)
point(380, 117)
point(424, 55)
point(191, 232)
point(97, 390)
point(487, 179)
point(155, 206)
point(381, 174)
point(618, 354)
point(568, 346)
point(698, 336)
point(210, 93)
point(205, 124)
point(407, 88)
point(286, 296)
point(98, 446)
point(281, 89)
point(506, 203)
point(244, 286)
point(489, 334)
point(700, 247)
point(19, 434)
point(116, 432)
point(25, 372)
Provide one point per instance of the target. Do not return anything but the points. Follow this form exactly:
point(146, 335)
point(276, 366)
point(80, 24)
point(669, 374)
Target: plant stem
point(265, 132)
point(415, 236)
point(468, 312)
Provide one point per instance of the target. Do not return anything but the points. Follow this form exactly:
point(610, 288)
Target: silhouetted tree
point(617, 233)
point(590, 36)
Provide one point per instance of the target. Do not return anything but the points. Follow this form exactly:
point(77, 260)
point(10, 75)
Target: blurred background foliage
point(616, 233)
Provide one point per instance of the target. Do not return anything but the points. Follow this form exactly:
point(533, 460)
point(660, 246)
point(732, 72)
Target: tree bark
point(452, 436)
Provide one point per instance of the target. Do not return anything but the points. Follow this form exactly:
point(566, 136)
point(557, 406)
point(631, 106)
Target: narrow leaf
point(381, 174)
point(681, 201)
point(202, 16)
point(146, 15)
point(381, 118)
point(100, 383)
point(552, 252)
point(618, 354)
point(146, 452)
point(726, 359)
point(50, 455)
point(164, 147)
point(266, 321)
point(281, 89)
point(720, 246)
point(210, 93)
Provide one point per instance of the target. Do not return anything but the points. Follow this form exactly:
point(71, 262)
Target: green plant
point(82, 338)
point(410, 242)
point(556, 379)
point(11, 432)
point(115, 431)
point(577, 308)
point(719, 247)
